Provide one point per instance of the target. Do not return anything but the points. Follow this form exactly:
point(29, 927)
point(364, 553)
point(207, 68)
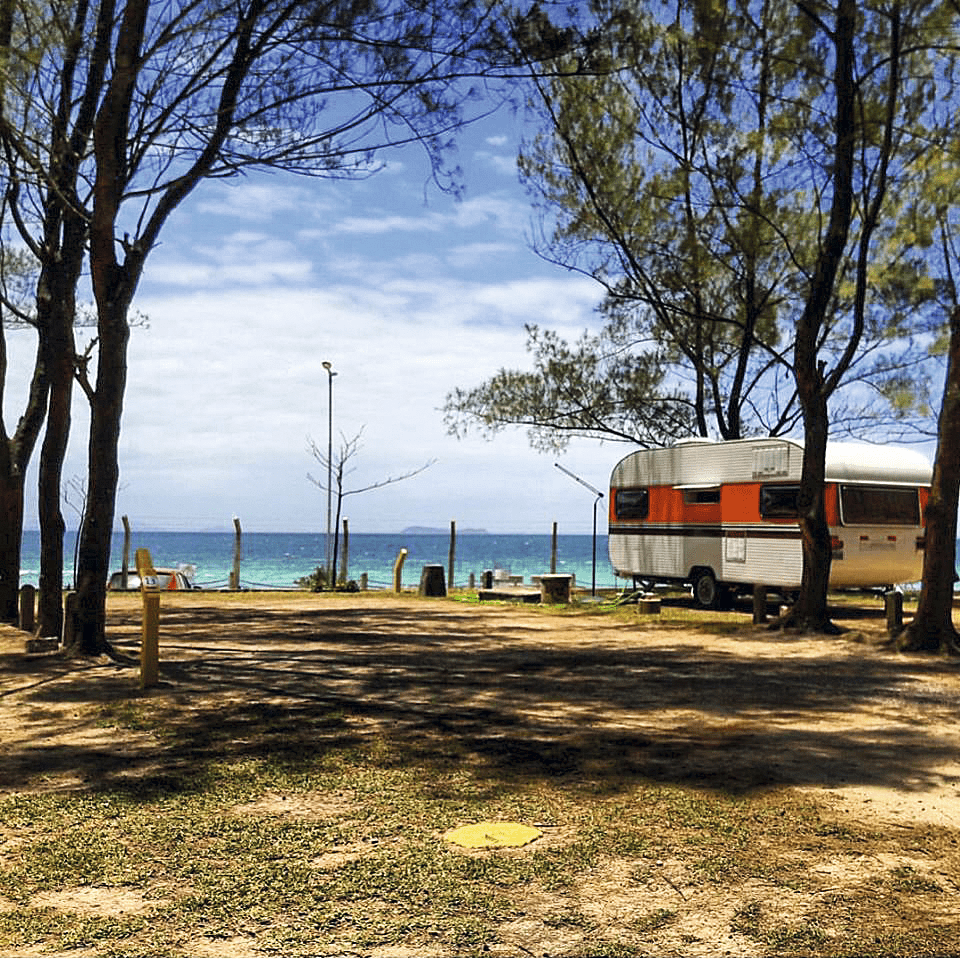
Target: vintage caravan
point(722, 516)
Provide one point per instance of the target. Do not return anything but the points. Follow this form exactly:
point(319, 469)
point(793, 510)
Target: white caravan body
point(724, 514)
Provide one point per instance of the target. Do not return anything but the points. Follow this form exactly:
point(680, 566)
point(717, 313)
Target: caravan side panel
point(690, 489)
point(702, 504)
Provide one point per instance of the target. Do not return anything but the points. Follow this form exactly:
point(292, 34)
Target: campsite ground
point(703, 786)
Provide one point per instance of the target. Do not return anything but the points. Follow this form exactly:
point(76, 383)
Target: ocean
point(278, 560)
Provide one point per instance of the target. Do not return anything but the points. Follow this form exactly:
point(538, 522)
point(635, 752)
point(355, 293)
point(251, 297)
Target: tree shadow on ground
point(515, 699)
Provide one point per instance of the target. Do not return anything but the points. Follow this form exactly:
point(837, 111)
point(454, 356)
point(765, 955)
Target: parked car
point(180, 578)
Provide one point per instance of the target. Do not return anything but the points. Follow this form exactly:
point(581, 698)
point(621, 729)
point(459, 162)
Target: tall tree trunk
point(102, 477)
point(810, 611)
point(56, 312)
point(11, 536)
point(113, 286)
point(15, 453)
point(932, 628)
point(52, 453)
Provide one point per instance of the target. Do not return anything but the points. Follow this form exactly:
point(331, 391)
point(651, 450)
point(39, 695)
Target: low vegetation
point(259, 825)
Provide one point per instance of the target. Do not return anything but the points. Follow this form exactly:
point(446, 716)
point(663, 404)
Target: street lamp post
point(593, 489)
point(328, 366)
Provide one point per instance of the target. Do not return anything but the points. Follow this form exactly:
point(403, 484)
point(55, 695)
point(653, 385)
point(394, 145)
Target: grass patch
point(288, 824)
point(363, 867)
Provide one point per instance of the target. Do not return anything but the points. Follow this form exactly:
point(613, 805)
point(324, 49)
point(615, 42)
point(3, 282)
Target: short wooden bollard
point(893, 605)
point(150, 648)
point(69, 619)
point(432, 582)
point(759, 604)
point(150, 633)
point(28, 597)
point(398, 571)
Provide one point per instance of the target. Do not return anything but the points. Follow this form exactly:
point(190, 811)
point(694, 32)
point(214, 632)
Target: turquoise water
point(277, 560)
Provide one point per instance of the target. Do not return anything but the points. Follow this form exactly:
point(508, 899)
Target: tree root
point(791, 622)
point(915, 638)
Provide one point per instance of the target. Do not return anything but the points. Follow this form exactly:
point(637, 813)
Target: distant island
point(428, 530)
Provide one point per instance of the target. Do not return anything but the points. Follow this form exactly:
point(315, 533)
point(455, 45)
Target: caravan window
point(879, 506)
point(632, 503)
point(779, 502)
point(701, 495)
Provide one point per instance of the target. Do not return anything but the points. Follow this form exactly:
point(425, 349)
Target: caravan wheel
point(706, 593)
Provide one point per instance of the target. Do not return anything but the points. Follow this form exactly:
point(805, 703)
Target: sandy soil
point(870, 732)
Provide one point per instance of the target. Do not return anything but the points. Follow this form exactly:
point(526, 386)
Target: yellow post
point(398, 571)
point(150, 644)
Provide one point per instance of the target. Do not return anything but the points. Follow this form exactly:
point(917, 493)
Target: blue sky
point(407, 292)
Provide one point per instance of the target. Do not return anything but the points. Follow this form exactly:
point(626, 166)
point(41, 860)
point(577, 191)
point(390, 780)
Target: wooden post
point(28, 597)
point(452, 554)
point(124, 570)
point(893, 604)
point(398, 571)
point(237, 554)
point(364, 580)
point(345, 552)
point(150, 641)
point(473, 581)
point(150, 648)
point(553, 549)
point(69, 619)
point(759, 603)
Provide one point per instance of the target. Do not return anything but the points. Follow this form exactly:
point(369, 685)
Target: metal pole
point(593, 585)
point(328, 366)
point(592, 489)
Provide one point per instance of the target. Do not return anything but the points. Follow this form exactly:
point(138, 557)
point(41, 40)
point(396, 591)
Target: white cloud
point(390, 224)
point(475, 254)
point(251, 198)
point(407, 301)
point(255, 387)
point(245, 258)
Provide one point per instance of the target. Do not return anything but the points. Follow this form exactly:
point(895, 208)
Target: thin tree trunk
point(113, 286)
point(15, 453)
point(932, 628)
point(810, 610)
point(11, 535)
point(52, 453)
point(56, 313)
point(102, 478)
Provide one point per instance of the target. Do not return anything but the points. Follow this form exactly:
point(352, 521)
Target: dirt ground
point(869, 733)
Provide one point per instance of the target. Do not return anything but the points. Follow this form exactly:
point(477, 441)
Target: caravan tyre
point(706, 593)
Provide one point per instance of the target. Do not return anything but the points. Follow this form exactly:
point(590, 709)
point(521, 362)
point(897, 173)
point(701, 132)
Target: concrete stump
point(42, 644)
point(555, 587)
point(432, 581)
point(649, 605)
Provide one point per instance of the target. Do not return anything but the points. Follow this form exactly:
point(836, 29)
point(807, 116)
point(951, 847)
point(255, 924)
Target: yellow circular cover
point(483, 834)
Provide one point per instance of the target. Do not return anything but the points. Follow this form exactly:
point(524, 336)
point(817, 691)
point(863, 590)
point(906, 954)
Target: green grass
point(205, 867)
point(324, 836)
